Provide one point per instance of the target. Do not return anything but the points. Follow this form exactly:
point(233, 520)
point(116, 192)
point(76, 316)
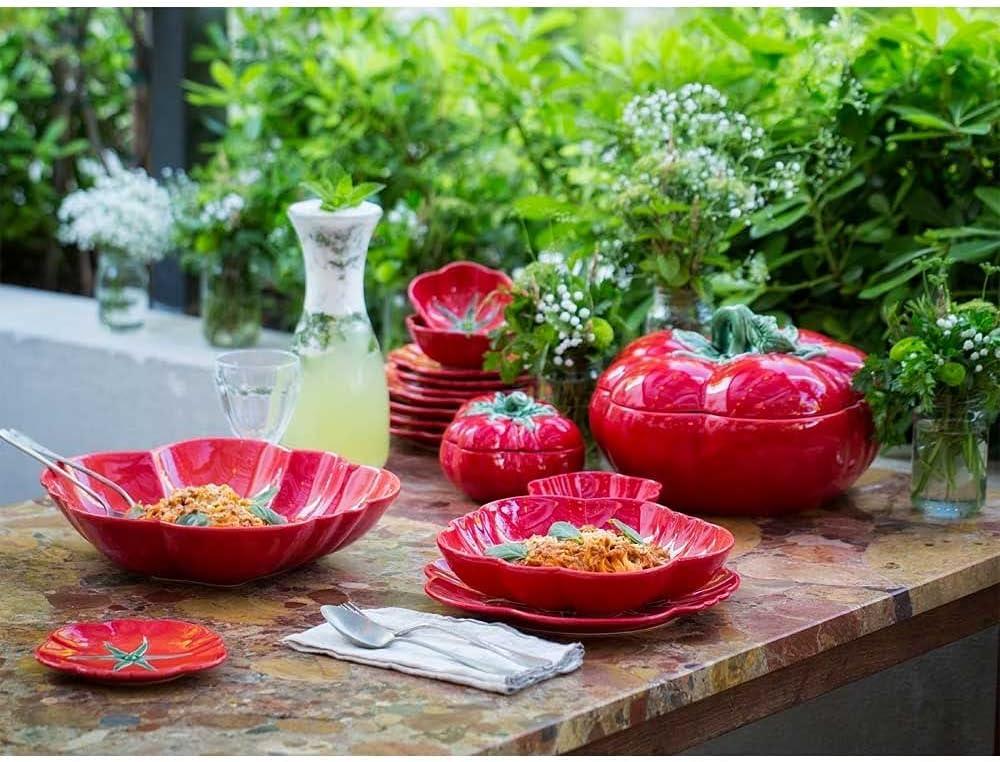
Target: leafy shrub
point(64, 88)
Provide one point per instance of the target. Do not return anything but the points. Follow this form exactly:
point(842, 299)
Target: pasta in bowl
point(562, 553)
point(258, 508)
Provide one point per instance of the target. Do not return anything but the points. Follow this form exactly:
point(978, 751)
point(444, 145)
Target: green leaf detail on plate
point(194, 519)
point(508, 551)
point(563, 530)
point(134, 658)
point(628, 531)
point(136, 512)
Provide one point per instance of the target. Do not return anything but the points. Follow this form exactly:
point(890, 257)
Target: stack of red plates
point(425, 395)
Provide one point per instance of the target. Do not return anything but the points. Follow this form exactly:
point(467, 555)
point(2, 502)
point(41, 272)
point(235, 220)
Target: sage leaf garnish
point(508, 551)
point(563, 530)
point(628, 531)
point(260, 506)
point(135, 512)
point(194, 519)
point(266, 514)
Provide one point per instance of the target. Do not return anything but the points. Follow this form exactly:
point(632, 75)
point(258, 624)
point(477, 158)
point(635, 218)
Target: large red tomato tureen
point(756, 420)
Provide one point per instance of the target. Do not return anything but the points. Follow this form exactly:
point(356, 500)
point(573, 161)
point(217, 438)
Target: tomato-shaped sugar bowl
point(755, 420)
point(497, 443)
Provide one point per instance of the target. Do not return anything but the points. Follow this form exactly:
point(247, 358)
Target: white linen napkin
point(405, 655)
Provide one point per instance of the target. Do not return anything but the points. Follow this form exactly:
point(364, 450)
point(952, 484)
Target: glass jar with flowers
point(225, 230)
point(942, 376)
point(125, 217)
point(559, 328)
point(683, 179)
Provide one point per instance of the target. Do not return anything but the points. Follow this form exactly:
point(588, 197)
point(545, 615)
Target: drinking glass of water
point(258, 389)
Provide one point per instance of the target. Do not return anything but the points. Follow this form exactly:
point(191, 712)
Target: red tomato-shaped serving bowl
point(498, 443)
point(698, 549)
point(757, 420)
point(327, 503)
point(462, 296)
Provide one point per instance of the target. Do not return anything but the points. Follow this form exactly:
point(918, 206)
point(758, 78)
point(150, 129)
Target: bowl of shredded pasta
point(222, 511)
point(592, 556)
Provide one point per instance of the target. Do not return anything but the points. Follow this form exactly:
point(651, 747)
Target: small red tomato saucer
point(132, 651)
point(444, 587)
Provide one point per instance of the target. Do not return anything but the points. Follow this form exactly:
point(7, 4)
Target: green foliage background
point(485, 123)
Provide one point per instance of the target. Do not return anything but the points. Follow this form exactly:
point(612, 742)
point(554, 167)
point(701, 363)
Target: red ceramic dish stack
point(424, 395)
point(456, 308)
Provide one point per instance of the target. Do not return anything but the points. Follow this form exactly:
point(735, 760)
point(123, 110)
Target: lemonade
point(343, 404)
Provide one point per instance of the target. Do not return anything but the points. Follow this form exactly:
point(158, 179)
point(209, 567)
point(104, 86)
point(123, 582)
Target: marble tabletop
point(810, 582)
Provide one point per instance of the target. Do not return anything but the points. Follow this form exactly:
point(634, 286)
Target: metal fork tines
point(61, 464)
point(520, 657)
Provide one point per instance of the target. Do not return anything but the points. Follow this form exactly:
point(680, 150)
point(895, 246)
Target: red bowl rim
point(48, 477)
point(417, 323)
point(461, 264)
point(558, 571)
point(536, 486)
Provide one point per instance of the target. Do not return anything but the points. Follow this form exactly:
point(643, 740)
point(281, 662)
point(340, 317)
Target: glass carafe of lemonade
point(343, 405)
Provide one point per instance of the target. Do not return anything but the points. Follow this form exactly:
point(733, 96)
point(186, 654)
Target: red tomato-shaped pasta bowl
point(698, 549)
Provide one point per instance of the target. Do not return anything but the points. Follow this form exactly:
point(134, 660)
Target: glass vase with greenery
point(942, 376)
point(227, 230)
point(560, 328)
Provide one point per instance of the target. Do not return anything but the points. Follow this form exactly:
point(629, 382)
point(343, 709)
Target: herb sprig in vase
point(942, 375)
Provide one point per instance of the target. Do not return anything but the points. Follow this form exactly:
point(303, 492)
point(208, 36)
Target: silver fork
point(510, 654)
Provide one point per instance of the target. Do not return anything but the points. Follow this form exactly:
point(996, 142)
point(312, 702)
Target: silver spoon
point(518, 657)
point(59, 464)
point(365, 633)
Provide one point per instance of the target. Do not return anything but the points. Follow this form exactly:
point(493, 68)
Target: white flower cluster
point(569, 313)
point(125, 211)
point(979, 346)
point(694, 115)
point(225, 211)
point(405, 218)
point(691, 148)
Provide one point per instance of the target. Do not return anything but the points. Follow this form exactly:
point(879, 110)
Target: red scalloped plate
point(444, 587)
point(697, 548)
point(411, 357)
point(596, 484)
point(132, 651)
point(328, 502)
point(459, 385)
point(432, 413)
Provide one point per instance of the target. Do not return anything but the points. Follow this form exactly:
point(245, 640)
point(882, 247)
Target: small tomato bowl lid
point(512, 422)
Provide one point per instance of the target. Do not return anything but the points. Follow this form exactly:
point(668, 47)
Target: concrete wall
point(76, 387)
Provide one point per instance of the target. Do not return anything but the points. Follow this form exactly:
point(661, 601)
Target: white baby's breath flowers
point(125, 211)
